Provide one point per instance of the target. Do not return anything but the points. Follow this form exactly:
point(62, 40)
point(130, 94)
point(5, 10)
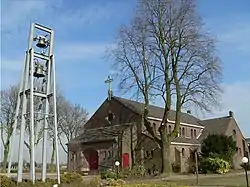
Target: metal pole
point(32, 142)
point(55, 115)
point(44, 161)
point(23, 122)
point(24, 107)
point(246, 175)
point(21, 89)
point(197, 169)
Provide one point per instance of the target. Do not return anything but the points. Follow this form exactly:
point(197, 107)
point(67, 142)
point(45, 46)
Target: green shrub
point(215, 165)
point(95, 182)
point(71, 177)
point(138, 171)
point(108, 174)
point(176, 167)
point(125, 173)
point(113, 182)
point(6, 181)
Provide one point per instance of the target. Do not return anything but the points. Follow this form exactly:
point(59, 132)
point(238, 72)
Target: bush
point(95, 182)
point(138, 171)
point(113, 182)
point(71, 177)
point(176, 167)
point(215, 165)
point(108, 174)
point(125, 173)
point(6, 181)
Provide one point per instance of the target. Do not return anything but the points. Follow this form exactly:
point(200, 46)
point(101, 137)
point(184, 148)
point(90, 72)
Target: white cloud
point(15, 12)
point(76, 51)
point(237, 37)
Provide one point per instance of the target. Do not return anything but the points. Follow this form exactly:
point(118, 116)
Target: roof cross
point(109, 81)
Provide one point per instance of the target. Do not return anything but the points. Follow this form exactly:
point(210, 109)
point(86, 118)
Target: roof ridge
point(218, 118)
point(152, 105)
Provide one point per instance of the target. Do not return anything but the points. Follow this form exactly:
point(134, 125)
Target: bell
point(39, 71)
point(42, 43)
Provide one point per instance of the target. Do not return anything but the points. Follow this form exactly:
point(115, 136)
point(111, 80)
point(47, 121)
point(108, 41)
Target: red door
point(92, 159)
point(125, 160)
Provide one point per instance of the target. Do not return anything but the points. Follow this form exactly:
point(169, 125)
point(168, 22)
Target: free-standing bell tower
point(36, 103)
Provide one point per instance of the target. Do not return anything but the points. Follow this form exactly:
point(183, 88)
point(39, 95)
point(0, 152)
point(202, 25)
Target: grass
point(237, 180)
point(226, 181)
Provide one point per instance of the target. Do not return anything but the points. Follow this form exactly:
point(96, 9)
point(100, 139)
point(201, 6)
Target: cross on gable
point(109, 81)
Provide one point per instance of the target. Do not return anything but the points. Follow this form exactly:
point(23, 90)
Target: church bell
point(39, 72)
point(42, 43)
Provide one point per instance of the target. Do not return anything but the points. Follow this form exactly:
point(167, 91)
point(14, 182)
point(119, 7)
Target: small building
point(227, 125)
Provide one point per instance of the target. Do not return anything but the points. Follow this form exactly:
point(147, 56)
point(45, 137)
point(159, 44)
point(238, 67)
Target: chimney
point(189, 111)
point(231, 114)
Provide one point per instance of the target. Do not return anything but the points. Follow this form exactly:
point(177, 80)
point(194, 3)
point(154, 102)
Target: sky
point(84, 30)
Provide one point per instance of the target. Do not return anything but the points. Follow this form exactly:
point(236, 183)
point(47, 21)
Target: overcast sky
point(83, 30)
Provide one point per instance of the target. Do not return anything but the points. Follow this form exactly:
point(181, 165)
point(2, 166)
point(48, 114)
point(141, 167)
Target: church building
point(115, 132)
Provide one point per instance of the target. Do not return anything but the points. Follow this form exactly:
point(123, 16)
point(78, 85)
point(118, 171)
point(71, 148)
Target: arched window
point(234, 132)
point(169, 129)
point(109, 154)
point(147, 154)
point(192, 133)
point(183, 131)
point(105, 154)
point(183, 152)
point(154, 126)
point(179, 131)
point(195, 133)
point(152, 153)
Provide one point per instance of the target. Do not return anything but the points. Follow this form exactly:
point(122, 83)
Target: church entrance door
point(92, 158)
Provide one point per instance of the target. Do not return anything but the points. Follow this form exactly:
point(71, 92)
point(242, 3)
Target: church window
point(192, 133)
point(234, 133)
point(147, 154)
point(152, 153)
point(183, 131)
point(183, 152)
point(154, 126)
point(105, 155)
point(110, 116)
point(169, 129)
point(195, 135)
point(109, 154)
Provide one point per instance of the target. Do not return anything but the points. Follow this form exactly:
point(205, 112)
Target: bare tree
point(62, 105)
point(73, 122)
point(8, 107)
point(166, 52)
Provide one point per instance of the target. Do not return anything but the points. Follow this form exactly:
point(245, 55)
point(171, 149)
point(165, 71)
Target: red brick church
point(114, 132)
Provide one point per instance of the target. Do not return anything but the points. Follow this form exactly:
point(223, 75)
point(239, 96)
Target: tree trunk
point(5, 156)
point(166, 162)
point(52, 159)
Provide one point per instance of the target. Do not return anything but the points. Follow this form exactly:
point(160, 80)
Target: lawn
point(227, 181)
point(230, 180)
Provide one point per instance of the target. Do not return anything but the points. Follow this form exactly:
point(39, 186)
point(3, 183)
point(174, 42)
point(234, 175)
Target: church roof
point(108, 133)
point(157, 112)
point(215, 126)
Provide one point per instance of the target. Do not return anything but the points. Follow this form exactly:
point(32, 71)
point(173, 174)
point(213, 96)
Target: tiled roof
point(186, 140)
point(100, 134)
point(179, 139)
point(215, 126)
point(157, 112)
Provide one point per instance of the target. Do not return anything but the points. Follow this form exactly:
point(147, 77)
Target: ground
point(227, 180)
